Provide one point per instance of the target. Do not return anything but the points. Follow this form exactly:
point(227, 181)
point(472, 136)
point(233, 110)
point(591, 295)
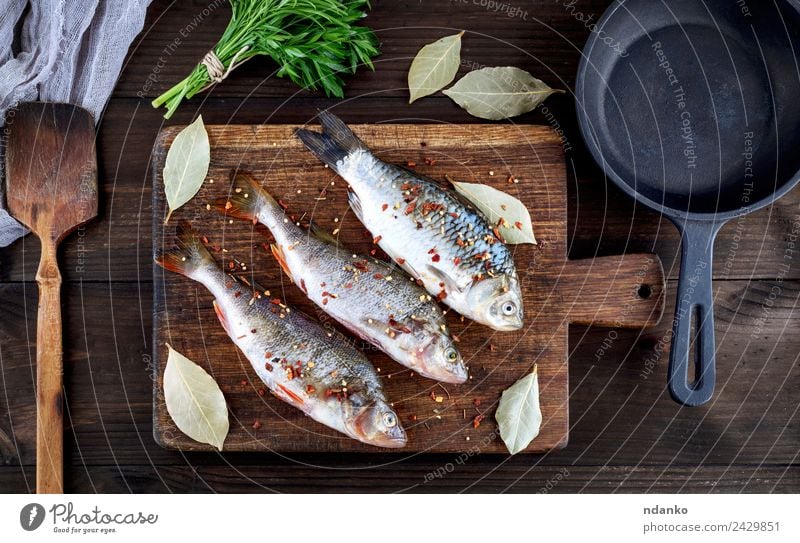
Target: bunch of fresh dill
point(313, 42)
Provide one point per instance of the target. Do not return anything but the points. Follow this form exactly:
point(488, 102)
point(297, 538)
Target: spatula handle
point(49, 377)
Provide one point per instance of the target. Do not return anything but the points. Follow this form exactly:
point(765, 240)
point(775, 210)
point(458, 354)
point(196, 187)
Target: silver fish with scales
point(430, 231)
point(376, 301)
point(300, 362)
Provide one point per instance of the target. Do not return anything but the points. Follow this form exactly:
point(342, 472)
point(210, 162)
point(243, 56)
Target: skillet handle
point(694, 303)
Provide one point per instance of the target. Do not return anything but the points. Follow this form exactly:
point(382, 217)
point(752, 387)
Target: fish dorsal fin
point(279, 255)
point(322, 234)
point(355, 204)
point(221, 316)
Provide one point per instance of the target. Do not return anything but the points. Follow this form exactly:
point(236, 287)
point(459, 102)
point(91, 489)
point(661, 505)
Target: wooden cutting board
point(624, 291)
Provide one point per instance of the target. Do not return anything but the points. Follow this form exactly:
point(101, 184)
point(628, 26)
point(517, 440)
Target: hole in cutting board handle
point(645, 291)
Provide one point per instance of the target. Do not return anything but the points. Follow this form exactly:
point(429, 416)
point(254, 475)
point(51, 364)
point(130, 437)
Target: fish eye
point(451, 354)
point(389, 420)
point(509, 308)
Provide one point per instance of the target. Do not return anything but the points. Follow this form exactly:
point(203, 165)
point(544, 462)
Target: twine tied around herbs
point(216, 69)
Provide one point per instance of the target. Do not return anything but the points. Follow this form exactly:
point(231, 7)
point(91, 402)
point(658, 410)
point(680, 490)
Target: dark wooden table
point(626, 434)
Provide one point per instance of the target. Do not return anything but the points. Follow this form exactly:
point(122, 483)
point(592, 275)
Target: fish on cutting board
point(376, 301)
point(301, 363)
point(430, 231)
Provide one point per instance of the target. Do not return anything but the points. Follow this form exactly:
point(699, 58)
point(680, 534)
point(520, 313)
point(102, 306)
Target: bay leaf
point(515, 227)
point(434, 67)
point(186, 165)
point(519, 415)
point(499, 93)
point(195, 401)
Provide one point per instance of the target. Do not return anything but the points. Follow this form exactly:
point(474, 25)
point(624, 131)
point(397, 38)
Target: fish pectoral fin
point(284, 393)
point(450, 284)
point(221, 316)
point(279, 255)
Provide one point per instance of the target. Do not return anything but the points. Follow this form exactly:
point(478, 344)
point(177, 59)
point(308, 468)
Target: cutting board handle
point(49, 376)
point(625, 291)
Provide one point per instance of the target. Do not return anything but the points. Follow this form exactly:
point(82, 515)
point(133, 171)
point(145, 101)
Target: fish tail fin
point(334, 143)
point(189, 254)
point(247, 199)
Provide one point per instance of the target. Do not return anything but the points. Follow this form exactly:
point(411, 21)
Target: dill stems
point(312, 41)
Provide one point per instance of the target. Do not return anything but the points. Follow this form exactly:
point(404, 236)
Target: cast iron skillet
point(692, 107)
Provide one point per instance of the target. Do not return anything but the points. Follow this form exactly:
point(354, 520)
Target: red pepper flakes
point(460, 242)
point(243, 382)
point(283, 205)
point(401, 261)
point(436, 258)
point(413, 418)
point(430, 161)
point(268, 366)
point(290, 373)
point(373, 252)
point(275, 301)
point(518, 225)
point(384, 207)
point(411, 164)
point(456, 339)
point(348, 285)
point(378, 276)
point(510, 179)
point(256, 425)
point(441, 296)
point(433, 396)
point(419, 282)
point(261, 392)
point(476, 402)
point(324, 301)
point(237, 294)
point(477, 421)
point(310, 389)
point(454, 214)
point(205, 240)
point(431, 251)
point(376, 240)
point(360, 265)
point(231, 265)
point(457, 260)
point(410, 208)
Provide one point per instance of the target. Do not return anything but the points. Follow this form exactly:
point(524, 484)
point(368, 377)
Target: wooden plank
point(621, 413)
point(420, 476)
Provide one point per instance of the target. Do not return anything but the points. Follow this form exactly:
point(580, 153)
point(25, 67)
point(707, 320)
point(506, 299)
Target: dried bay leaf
point(515, 227)
point(434, 67)
point(499, 93)
point(519, 415)
point(186, 165)
point(195, 401)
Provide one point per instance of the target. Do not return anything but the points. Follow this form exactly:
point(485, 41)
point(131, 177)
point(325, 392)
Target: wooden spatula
point(51, 187)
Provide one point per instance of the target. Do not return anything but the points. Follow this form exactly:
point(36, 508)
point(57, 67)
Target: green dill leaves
point(312, 41)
